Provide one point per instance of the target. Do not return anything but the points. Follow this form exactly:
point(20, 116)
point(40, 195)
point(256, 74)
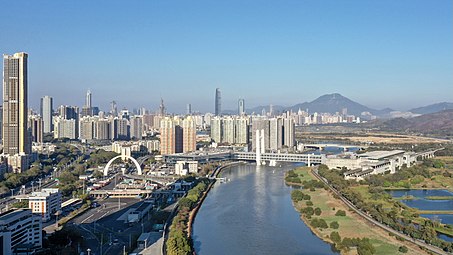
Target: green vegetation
point(178, 242)
point(319, 223)
point(333, 213)
point(439, 197)
point(292, 177)
point(334, 225)
point(340, 213)
point(373, 200)
point(21, 204)
point(403, 249)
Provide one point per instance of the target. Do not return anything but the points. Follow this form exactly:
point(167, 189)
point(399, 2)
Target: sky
point(384, 53)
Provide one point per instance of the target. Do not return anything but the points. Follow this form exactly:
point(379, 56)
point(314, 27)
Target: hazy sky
point(386, 53)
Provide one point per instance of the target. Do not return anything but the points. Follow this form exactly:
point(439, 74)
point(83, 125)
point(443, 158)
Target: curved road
point(377, 223)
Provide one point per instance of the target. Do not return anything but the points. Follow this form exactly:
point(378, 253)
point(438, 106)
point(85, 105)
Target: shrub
point(340, 213)
point(403, 249)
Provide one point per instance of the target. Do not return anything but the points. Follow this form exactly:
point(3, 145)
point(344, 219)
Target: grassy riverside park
point(351, 225)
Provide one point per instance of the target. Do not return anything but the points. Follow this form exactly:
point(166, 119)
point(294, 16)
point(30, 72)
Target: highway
point(367, 217)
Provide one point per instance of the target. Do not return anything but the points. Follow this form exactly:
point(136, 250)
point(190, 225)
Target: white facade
point(45, 203)
point(186, 167)
point(46, 113)
point(65, 128)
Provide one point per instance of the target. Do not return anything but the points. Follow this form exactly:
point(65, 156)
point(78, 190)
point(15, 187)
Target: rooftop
point(381, 154)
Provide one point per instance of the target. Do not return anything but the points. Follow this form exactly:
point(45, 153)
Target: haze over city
point(394, 54)
point(226, 127)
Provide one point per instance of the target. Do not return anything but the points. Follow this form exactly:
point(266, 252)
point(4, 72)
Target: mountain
point(333, 103)
point(433, 108)
point(431, 123)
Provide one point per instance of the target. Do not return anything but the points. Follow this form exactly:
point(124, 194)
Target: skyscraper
point(88, 99)
point(218, 102)
point(15, 104)
point(46, 113)
point(241, 106)
point(189, 109)
point(161, 107)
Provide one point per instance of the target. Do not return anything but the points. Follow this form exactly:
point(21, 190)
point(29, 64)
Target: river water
point(252, 213)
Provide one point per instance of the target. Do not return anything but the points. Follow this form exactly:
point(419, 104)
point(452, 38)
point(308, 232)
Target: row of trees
point(178, 242)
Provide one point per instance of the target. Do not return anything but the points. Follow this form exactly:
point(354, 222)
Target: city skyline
point(192, 48)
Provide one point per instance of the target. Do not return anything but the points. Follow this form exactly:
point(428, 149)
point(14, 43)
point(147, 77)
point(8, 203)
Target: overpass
point(428, 154)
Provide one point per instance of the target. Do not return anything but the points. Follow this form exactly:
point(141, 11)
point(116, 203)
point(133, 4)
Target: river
point(252, 213)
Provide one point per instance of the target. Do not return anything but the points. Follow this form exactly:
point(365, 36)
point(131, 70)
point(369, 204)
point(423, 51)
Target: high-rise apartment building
point(136, 123)
point(216, 129)
point(218, 102)
point(35, 123)
point(167, 136)
point(46, 113)
point(15, 104)
point(189, 135)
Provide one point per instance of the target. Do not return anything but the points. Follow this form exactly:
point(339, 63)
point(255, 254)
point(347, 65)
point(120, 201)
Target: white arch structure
point(123, 157)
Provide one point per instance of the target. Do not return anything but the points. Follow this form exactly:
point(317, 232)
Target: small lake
point(422, 203)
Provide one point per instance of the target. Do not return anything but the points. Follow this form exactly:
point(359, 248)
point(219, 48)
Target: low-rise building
point(186, 167)
point(20, 230)
point(45, 203)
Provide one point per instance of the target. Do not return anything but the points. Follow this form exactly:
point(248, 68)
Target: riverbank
point(350, 225)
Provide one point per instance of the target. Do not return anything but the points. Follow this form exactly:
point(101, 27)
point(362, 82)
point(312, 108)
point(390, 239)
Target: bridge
point(309, 159)
point(428, 154)
point(322, 146)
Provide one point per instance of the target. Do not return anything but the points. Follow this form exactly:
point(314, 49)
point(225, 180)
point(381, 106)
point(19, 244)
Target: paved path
point(373, 221)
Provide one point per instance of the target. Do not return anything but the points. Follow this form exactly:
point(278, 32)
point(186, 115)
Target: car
point(115, 241)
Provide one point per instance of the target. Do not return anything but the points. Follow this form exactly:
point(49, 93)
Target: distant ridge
point(440, 123)
point(433, 108)
point(329, 103)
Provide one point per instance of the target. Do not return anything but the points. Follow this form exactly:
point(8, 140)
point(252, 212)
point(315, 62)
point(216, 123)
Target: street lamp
point(88, 251)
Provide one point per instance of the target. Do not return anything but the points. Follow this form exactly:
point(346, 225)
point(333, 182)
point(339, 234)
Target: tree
point(318, 211)
point(335, 237)
point(334, 225)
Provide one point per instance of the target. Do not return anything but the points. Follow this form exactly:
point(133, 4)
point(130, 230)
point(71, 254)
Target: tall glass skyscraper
point(218, 103)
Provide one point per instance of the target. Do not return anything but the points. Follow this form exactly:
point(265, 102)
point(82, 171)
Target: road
point(107, 222)
point(373, 221)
